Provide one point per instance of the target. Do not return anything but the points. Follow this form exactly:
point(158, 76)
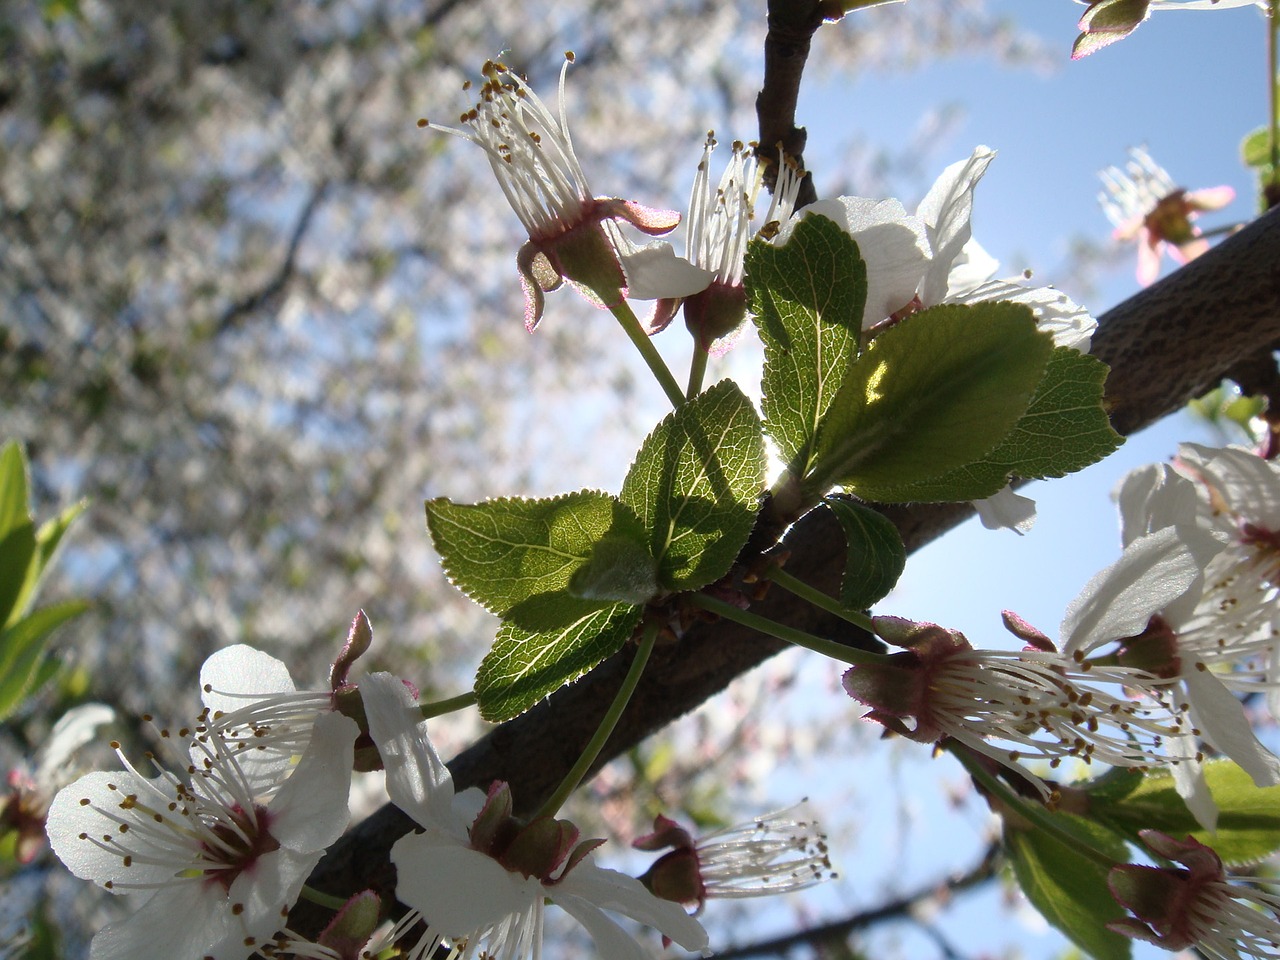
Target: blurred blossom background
point(257, 317)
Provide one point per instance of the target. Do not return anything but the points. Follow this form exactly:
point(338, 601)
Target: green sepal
point(695, 486)
point(807, 298)
point(939, 390)
point(1248, 816)
point(1068, 887)
point(876, 554)
point(516, 557)
point(524, 666)
point(1065, 429)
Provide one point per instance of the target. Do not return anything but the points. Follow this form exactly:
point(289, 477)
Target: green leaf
point(619, 569)
point(1248, 817)
point(22, 651)
point(1255, 148)
point(877, 556)
point(1067, 887)
point(523, 666)
point(807, 298)
point(516, 557)
point(1065, 429)
point(15, 501)
point(937, 391)
point(47, 540)
point(17, 551)
point(696, 484)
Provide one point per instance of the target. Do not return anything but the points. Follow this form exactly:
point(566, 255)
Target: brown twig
point(792, 24)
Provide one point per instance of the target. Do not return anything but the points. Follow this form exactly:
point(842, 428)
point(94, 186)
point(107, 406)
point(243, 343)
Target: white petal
point(1066, 321)
point(946, 211)
point(892, 243)
point(1219, 715)
point(310, 810)
point(1152, 573)
point(970, 270)
point(73, 730)
point(627, 895)
point(238, 675)
point(1250, 485)
point(264, 893)
point(418, 782)
point(68, 818)
point(174, 924)
point(1273, 677)
point(610, 939)
point(1189, 781)
point(1152, 497)
point(1006, 510)
point(655, 271)
point(460, 890)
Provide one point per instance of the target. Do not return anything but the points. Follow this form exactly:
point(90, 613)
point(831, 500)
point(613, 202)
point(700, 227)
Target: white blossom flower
point(215, 856)
point(32, 789)
point(1196, 906)
point(776, 853)
point(250, 699)
point(1012, 706)
point(488, 897)
point(930, 258)
point(571, 233)
point(720, 225)
point(1146, 206)
point(356, 933)
point(1163, 605)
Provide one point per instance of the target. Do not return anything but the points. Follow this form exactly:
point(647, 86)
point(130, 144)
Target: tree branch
point(792, 24)
point(1166, 345)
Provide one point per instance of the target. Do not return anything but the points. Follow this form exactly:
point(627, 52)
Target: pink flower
point(1145, 205)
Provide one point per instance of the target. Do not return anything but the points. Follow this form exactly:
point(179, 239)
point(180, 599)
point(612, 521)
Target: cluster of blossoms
point(215, 848)
point(1194, 599)
point(1154, 655)
point(914, 261)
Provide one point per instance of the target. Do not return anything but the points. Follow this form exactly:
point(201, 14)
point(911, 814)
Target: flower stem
point(440, 707)
point(828, 648)
point(697, 371)
point(323, 899)
point(819, 599)
point(1035, 812)
point(1273, 99)
point(607, 723)
point(623, 313)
